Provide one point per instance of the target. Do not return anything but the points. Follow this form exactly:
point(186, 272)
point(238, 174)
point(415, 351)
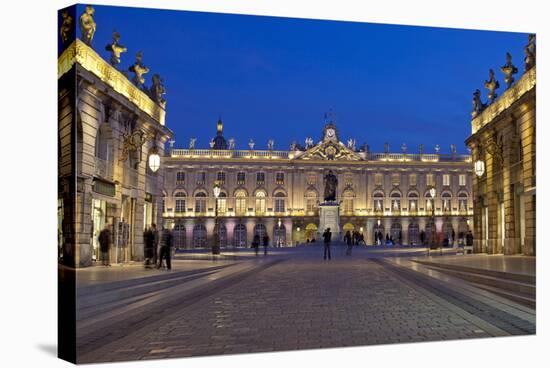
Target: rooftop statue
point(139, 70)
point(478, 106)
point(157, 90)
point(509, 70)
point(270, 144)
point(231, 142)
point(309, 142)
point(530, 53)
point(212, 143)
point(251, 144)
point(331, 182)
point(115, 48)
point(492, 85)
point(192, 143)
point(87, 25)
point(66, 27)
point(351, 144)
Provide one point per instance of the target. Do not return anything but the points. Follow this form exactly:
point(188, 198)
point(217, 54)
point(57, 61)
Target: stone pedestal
point(329, 217)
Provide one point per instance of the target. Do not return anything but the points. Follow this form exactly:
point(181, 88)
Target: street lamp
point(154, 159)
point(479, 168)
point(279, 232)
point(216, 246)
point(433, 230)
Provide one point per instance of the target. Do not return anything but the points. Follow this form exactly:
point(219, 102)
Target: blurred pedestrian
point(327, 235)
point(165, 248)
point(104, 240)
point(265, 241)
point(256, 243)
point(348, 240)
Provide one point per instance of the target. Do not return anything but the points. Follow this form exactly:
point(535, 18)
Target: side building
point(503, 144)
point(278, 192)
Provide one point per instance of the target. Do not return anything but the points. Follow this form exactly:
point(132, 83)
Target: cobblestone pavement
point(301, 303)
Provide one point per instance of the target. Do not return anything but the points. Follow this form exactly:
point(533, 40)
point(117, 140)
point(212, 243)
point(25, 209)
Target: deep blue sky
point(270, 77)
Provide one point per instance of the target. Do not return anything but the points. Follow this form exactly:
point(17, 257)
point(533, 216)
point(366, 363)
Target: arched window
point(199, 236)
point(222, 203)
point(200, 203)
point(279, 202)
point(279, 236)
point(414, 233)
point(348, 196)
point(179, 236)
point(311, 201)
point(260, 202)
point(221, 231)
point(260, 230)
point(446, 201)
point(462, 202)
point(378, 198)
point(395, 201)
point(240, 203)
point(180, 202)
point(239, 235)
point(429, 201)
point(413, 202)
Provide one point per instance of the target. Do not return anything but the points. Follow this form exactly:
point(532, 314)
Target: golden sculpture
point(87, 25)
point(66, 29)
point(139, 69)
point(115, 48)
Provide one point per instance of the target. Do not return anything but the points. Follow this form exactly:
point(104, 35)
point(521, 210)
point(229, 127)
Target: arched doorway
point(199, 236)
point(279, 236)
point(311, 232)
point(179, 233)
point(448, 231)
point(260, 230)
point(222, 235)
point(396, 233)
point(379, 234)
point(463, 229)
point(430, 234)
point(414, 233)
point(239, 235)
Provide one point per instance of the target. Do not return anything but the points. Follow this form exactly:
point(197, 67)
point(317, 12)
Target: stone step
point(529, 279)
point(478, 278)
point(523, 299)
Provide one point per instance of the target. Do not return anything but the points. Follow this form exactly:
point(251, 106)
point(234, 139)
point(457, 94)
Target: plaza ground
point(293, 299)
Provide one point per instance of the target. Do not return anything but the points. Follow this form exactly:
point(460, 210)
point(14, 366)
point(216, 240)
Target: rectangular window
point(180, 177)
point(462, 180)
point(241, 178)
point(430, 180)
point(279, 205)
point(412, 180)
point(378, 179)
point(201, 177)
point(180, 205)
point(260, 178)
point(220, 177)
point(446, 179)
point(200, 205)
point(348, 205)
point(311, 205)
point(240, 206)
point(396, 179)
point(222, 205)
point(280, 178)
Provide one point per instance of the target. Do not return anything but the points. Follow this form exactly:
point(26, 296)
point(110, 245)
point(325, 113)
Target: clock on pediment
point(330, 133)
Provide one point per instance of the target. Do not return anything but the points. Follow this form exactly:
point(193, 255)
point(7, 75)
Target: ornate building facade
point(503, 144)
point(278, 192)
point(108, 127)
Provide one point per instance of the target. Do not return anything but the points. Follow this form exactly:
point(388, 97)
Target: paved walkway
point(304, 302)
point(511, 264)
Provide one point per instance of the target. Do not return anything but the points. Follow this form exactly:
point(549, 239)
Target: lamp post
point(433, 232)
point(279, 232)
point(216, 245)
point(154, 159)
point(479, 168)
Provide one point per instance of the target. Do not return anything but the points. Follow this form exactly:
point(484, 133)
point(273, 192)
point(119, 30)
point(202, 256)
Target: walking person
point(265, 241)
point(422, 237)
point(148, 246)
point(256, 243)
point(165, 248)
point(154, 241)
point(348, 240)
point(104, 240)
point(327, 235)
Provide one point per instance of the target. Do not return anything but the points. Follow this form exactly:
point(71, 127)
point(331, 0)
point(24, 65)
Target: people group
point(163, 241)
point(257, 242)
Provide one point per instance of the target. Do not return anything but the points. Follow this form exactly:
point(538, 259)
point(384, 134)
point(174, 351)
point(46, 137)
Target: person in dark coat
point(104, 240)
point(422, 237)
point(327, 235)
point(469, 238)
point(348, 241)
point(256, 243)
point(265, 242)
point(155, 241)
point(148, 246)
point(165, 248)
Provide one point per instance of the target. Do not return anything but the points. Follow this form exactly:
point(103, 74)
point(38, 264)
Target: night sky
point(270, 77)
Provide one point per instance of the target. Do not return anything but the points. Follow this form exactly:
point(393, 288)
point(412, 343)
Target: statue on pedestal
point(157, 90)
point(139, 69)
point(492, 85)
point(115, 49)
point(66, 27)
point(331, 182)
point(530, 53)
point(509, 70)
point(87, 25)
point(478, 106)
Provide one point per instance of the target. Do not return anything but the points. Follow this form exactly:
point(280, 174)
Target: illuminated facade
point(503, 144)
point(278, 192)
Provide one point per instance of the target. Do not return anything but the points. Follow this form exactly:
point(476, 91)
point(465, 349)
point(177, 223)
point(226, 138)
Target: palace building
point(503, 144)
point(278, 192)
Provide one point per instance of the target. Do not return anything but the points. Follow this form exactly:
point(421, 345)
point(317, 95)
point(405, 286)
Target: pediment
point(330, 150)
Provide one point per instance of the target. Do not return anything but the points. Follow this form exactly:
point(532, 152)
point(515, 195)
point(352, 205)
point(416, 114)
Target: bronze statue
point(115, 48)
point(492, 85)
point(509, 70)
point(157, 90)
point(87, 25)
point(66, 29)
point(331, 182)
point(139, 70)
point(477, 104)
point(530, 53)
